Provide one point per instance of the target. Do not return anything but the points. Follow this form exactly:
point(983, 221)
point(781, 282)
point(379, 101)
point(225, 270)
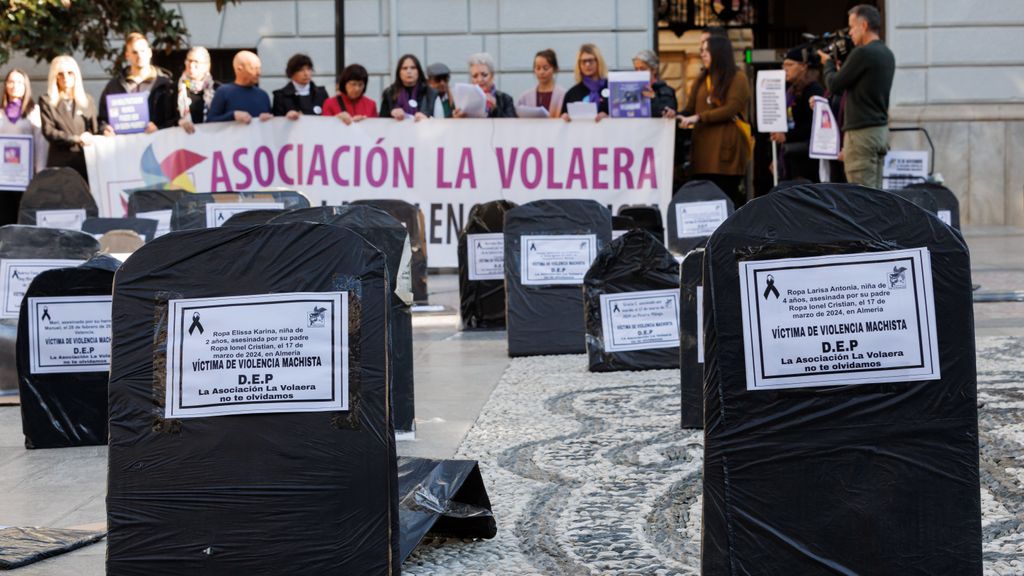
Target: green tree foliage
point(47, 28)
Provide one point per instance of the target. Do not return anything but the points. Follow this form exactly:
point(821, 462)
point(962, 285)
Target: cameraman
point(866, 77)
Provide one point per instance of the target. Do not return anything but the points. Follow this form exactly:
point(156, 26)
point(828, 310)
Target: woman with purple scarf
point(21, 115)
point(591, 81)
point(410, 96)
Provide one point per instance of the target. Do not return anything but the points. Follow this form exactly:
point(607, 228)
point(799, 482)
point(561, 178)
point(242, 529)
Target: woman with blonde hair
point(21, 115)
point(68, 115)
point(195, 88)
point(591, 81)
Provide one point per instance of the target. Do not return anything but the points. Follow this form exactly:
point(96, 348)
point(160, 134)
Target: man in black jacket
point(301, 95)
point(866, 77)
point(138, 77)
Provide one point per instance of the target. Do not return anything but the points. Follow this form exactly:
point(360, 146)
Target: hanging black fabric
point(545, 312)
point(482, 302)
point(628, 266)
point(55, 189)
point(63, 409)
point(691, 366)
point(412, 217)
point(270, 493)
point(190, 210)
point(872, 478)
point(693, 231)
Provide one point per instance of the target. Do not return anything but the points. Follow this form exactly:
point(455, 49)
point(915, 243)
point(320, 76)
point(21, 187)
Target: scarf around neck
point(13, 110)
point(187, 85)
point(595, 87)
point(407, 95)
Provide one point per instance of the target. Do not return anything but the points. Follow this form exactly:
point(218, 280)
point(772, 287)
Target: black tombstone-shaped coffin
point(64, 409)
point(947, 207)
point(272, 493)
point(691, 369)
point(19, 242)
point(144, 227)
point(55, 189)
point(412, 218)
point(189, 211)
point(548, 318)
point(863, 479)
point(646, 217)
point(635, 262)
point(481, 302)
point(152, 200)
point(680, 241)
point(253, 217)
point(389, 236)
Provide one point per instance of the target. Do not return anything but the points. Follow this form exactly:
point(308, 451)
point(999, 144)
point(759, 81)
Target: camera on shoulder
point(836, 44)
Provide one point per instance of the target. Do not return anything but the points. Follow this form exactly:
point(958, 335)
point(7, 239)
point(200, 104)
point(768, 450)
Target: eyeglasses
point(588, 61)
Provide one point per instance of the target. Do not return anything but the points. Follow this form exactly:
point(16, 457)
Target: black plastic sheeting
point(691, 370)
point(253, 217)
point(144, 227)
point(944, 198)
point(29, 242)
point(59, 410)
point(444, 498)
point(692, 191)
point(55, 189)
point(254, 494)
point(548, 319)
point(481, 302)
point(389, 236)
point(152, 200)
point(646, 217)
point(189, 210)
point(21, 546)
point(865, 479)
point(412, 218)
point(635, 262)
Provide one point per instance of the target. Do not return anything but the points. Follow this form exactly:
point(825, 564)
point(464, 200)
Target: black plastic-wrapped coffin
point(481, 272)
point(696, 209)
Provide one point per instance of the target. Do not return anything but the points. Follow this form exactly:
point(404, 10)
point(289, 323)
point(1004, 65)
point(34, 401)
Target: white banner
point(443, 166)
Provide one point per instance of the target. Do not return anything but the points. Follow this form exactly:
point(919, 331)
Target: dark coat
point(62, 128)
point(424, 103)
point(577, 93)
point(163, 98)
point(504, 107)
point(287, 99)
point(664, 97)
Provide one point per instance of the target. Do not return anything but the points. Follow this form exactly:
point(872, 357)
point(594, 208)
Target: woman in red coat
point(351, 105)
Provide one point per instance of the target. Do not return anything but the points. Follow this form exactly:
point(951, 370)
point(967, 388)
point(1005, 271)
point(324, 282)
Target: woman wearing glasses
point(591, 81)
point(195, 88)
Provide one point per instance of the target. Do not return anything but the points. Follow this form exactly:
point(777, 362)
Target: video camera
point(836, 44)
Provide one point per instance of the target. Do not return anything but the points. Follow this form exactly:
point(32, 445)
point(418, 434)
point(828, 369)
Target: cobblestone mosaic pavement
point(590, 474)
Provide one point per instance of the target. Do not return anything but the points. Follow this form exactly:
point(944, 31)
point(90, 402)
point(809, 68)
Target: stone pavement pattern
point(590, 474)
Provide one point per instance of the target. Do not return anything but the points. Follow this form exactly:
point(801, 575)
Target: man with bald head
point(241, 100)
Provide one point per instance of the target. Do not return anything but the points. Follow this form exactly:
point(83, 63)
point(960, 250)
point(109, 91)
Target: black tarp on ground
point(253, 217)
point(543, 317)
point(646, 217)
point(145, 227)
point(254, 494)
point(389, 236)
point(691, 369)
point(189, 210)
point(636, 262)
point(55, 189)
point(64, 409)
point(445, 498)
point(947, 207)
point(28, 242)
point(681, 241)
point(412, 218)
point(482, 302)
point(21, 546)
point(861, 479)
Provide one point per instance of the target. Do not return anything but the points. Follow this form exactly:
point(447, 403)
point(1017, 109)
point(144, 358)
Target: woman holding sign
point(21, 116)
point(715, 109)
point(119, 114)
point(68, 115)
point(801, 84)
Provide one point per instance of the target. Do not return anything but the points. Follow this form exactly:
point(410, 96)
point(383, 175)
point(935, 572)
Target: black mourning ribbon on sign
point(46, 314)
point(771, 289)
point(195, 324)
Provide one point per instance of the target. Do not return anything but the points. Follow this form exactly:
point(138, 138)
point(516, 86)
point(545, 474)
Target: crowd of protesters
point(716, 109)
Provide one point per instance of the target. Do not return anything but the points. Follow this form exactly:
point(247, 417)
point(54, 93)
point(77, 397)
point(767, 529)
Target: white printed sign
point(163, 220)
point(69, 334)
point(17, 168)
point(946, 216)
point(825, 138)
point(17, 274)
point(559, 259)
point(700, 219)
point(486, 256)
point(906, 163)
point(66, 219)
point(257, 354)
point(838, 320)
point(217, 213)
point(700, 324)
point(643, 320)
point(771, 101)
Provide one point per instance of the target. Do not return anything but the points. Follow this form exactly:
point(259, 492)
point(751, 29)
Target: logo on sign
point(898, 277)
point(318, 317)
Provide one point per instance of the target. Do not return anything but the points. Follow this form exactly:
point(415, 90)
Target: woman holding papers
point(591, 82)
point(547, 94)
point(497, 104)
point(141, 76)
point(21, 116)
point(409, 96)
point(351, 104)
point(718, 102)
point(68, 115)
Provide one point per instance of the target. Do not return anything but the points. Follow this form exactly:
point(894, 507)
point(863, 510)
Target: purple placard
point(627, 95)
point(128, 113)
